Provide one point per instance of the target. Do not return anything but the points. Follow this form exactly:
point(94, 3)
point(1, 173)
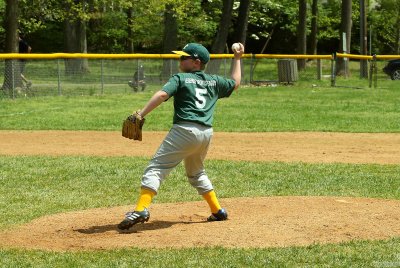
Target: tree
point(11, 26)
point(225, 22)
point(242, 22)
point(314, 28)
point(219, 43)
point(75, 37)
point(277, 17)
point(12, 73)
point(345, 29)
point(385, 21)
point(302, 33)
point(363, 39)
point(118, 26)
point(397, 42)
point(169, 39)
point(397, 29)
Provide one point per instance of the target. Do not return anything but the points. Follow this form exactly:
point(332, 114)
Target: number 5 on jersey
point(201, 101)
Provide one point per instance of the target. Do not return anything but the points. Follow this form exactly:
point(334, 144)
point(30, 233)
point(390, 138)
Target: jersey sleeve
point(171, 87)
point(225, 87)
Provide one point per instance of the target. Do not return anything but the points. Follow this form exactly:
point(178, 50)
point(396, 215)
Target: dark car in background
point(392, 69)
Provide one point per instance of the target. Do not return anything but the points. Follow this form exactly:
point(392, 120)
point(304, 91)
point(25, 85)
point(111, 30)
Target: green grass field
point(31, 187)
point(252, 109)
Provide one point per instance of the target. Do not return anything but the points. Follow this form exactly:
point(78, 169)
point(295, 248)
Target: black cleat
point(221, 215)
point(134, 217)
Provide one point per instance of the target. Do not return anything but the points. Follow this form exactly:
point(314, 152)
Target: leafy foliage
point(105, 34)
point(385, 20)
point(108, 24)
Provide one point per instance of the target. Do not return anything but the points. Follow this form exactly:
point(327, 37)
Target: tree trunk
point(363, 40)
point(314, 28)
point(170, 40)
point(72, 66)
point(12, 74)
point(241, 25)
point(346, 24)
point(242, 22)
point(82, 45)
point(75, 41)
point(69, 36)
point(219, 43)
point(11, 26)
point(302, 34)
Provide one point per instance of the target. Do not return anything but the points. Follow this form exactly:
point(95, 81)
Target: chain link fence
point(96, 76)
point(364, 72)
point(51, 77)
point(273, 70)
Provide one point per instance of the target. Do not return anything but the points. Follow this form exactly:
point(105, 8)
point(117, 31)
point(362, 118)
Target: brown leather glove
point(132, 126)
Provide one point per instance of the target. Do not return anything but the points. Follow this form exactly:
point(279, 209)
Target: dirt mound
point(253, 222)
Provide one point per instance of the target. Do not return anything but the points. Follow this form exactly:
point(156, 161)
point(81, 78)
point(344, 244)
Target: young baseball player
point(195, 95)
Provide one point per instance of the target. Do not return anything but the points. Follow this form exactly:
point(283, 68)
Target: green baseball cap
point(195, 50)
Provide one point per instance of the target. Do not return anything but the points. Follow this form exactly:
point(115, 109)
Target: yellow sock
point(144, 200)
point(212, 201)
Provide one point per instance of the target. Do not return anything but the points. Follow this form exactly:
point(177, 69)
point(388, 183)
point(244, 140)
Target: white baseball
point(235, 47)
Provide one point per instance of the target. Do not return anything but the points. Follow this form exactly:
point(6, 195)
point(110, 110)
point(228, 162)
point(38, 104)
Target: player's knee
point(201, 183)
point(151, 181)
point(151, 186)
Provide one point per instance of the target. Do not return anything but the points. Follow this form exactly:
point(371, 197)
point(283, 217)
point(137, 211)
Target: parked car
point(392, 69)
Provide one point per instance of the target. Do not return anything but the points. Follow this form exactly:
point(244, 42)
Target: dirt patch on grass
point(253, 223)
point(312, 147)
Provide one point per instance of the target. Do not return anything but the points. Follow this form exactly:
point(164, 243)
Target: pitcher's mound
point(253, 222)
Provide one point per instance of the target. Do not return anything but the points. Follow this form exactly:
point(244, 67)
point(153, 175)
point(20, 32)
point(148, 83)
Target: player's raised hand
point(238, 49)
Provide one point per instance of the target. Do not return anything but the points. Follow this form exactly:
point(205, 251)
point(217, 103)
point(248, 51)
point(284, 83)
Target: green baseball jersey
point(195, 95)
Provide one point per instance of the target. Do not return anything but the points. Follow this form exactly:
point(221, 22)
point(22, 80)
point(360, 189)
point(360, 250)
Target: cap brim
point(182, 53)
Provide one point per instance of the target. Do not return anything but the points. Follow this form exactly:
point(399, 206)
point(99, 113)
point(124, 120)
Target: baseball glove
point(132, 126)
